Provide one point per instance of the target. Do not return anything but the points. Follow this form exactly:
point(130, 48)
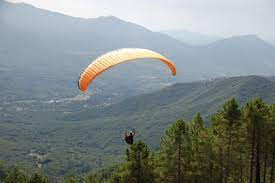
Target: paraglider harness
point(129, 138)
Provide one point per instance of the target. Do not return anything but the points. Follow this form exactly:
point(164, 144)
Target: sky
point(215, 17)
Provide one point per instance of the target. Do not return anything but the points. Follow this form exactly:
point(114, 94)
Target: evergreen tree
point(272, 142)
point(197, 134)
point(202, 166)
point(16, 175)
point(139, 164)
point(231, 115)
point(37, 178)
point(71, 178)
point(256, 115)
point(138, 167)
point(219, 144)
point(175, 153)
point(3, 172)
point(92, 178)
point(238, 146)
point(226, 124)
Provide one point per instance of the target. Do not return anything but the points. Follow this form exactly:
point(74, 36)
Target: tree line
point(238, 146)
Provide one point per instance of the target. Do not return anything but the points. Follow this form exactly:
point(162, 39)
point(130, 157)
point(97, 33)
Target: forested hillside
point(237, 146)
point(53, 135)
point(187, 98)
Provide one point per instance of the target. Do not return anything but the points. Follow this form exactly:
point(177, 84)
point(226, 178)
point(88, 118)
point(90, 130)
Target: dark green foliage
point(139, 163)
point(16, 175)
point(256, 114)
point(71, 178)
point(104, 175)
point(93, 178)
point(227, 122)
point(3, 172)
point(20, 174)
point(138, 167)
point(37, 178)
point(174, 152)
point(238, 146)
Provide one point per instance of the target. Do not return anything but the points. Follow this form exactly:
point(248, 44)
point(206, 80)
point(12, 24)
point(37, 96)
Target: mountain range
point(44, 52)
point(192, 38)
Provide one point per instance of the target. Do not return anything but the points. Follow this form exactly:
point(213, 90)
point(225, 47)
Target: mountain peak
point(110, 17)
point(14, 3)
point(248, 37)
point(241, 40)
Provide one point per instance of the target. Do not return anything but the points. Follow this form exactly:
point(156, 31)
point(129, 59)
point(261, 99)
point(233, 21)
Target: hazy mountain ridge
point(49, 49)
point(192, 38)
point(78, 34)
point(60, 46)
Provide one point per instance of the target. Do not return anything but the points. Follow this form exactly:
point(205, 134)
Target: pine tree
point(231, 115)
point(226, 125)
point(3, 172)
point(139, 163)
point(138, 167)
point(92, 178)
point(256, 115)
point(219, 144)
point(272, 142)
point(37, 178)
point(71, 178)
point(198, 141)
point(175, 153)
point(16, 175)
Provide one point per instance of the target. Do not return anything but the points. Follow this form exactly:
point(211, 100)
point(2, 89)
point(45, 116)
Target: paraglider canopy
point(116, 57)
